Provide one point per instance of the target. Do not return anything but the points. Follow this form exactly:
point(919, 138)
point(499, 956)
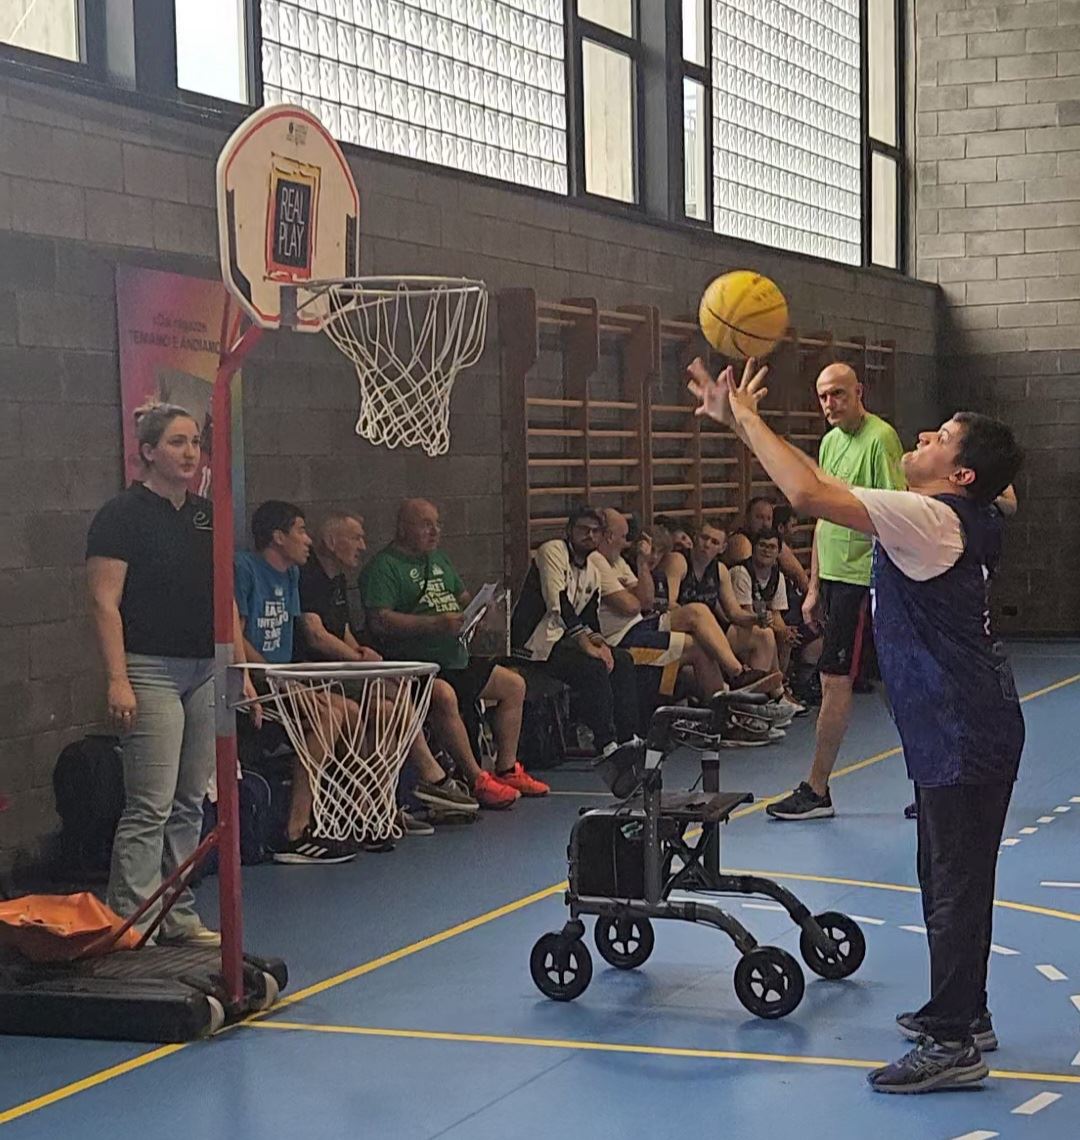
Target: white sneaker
point(776, 712)
point(191, 936)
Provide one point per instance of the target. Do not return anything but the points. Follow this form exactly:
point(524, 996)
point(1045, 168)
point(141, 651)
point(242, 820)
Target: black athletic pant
point(959, 833)
point(607, 701)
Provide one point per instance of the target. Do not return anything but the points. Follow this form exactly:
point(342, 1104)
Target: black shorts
point(470, 682)
point(848, 650)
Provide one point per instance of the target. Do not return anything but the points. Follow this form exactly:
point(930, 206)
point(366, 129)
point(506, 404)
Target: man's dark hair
point(673, 524)
point(584, 511)
point(990, 449)
point(270, 516)
point(782, 515)
point(767, 534)
point(759, 499)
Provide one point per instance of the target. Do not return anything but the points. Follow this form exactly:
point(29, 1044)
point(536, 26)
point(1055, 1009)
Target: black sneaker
point(447, 795)
point(911, 811)
point(413, 826)
point(931, 1065)
point(803, 803)
point(982, 1029)
point(309, 849)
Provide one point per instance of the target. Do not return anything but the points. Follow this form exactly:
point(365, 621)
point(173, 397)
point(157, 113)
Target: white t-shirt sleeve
point(609, 577)
point(921, 535)
point(740, 584)
point(779, 599)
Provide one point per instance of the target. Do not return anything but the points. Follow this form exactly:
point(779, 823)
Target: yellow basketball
point(743, 314)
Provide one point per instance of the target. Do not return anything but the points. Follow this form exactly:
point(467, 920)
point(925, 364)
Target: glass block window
point(479, 85)
point(787, 131)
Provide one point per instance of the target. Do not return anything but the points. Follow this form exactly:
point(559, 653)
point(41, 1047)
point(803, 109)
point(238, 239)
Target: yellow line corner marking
point(621, 1047)
point(88, 1082)
point(153, 1055)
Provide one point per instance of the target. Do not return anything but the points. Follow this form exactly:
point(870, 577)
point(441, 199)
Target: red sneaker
point(492, 793)
point(520, 780)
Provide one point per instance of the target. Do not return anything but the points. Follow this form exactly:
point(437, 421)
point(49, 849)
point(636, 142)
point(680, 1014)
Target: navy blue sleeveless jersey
point(949, 683)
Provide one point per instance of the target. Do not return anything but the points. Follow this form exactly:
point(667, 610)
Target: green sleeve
point(380, 585)
point(453, 581)
point(887, 472)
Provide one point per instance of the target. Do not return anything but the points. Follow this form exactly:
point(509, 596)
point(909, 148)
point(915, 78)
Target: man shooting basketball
point(949, 684)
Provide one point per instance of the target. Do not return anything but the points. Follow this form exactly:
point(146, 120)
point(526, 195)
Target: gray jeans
point(168, 760)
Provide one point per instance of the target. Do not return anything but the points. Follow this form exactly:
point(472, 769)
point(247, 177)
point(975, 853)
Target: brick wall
point(86, 184)
point(998, 221)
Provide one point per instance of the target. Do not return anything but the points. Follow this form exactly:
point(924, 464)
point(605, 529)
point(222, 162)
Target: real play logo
point(291, 219)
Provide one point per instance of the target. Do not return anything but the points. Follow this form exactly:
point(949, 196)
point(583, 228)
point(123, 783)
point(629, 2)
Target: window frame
point(578, 29)
point(90, 32)
point(872, 146)
point(679, 70)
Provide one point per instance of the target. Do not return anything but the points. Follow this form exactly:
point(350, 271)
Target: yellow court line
point(88, 1082)
point(622, 1047)
point(415, 947)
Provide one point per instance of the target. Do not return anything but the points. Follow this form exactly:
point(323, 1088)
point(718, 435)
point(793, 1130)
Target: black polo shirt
point(327, 598)
point(168, 601)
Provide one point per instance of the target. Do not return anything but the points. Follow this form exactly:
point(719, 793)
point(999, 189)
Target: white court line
point(1055, 883)
point(761, 906)
point(1009, 842)
point(1045, 819)
point(1061, 809)
point(1028, 830)
point(981, 1135)
point(1003, 950)
point(915, 929)
point(867, 920)
point(1052, 974)
point(1036, 1104)
point(1075, 999)
point(1076, 1060)
point(1074, 799)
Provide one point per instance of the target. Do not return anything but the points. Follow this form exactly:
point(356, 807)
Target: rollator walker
point(628, 862)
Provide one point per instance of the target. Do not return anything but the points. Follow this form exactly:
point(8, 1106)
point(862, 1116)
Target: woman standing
point(149, 561)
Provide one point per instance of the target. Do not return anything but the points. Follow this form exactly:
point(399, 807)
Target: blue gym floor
point(411, 1014)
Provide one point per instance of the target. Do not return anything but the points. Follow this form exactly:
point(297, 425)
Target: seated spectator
point(810, 640)
point(760, 589)
point(682, 533)
point(267, 589)
point(326, 635)
point(414, 601)
point(627, 597)
point(699, 621)
point(701, 578)
point(556, 623)
point(759, 516)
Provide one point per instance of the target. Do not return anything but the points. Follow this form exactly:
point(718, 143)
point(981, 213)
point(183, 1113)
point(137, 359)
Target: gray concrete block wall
point(998, 225)
point(86, 185)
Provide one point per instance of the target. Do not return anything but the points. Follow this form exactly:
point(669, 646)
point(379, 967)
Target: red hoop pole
point(229, 893)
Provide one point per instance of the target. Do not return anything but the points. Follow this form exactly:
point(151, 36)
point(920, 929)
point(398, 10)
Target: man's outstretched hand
point(722, 399)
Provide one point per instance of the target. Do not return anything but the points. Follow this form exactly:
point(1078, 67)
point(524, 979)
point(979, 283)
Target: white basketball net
point(408, 338)
point(352, 726)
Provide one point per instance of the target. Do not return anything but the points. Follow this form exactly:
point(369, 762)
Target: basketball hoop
point(352, 759)
point(408, 338)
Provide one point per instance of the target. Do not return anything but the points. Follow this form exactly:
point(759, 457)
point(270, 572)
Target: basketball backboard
point(288, 214)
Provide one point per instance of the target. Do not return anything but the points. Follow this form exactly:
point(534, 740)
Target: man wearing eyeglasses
point(414, 600)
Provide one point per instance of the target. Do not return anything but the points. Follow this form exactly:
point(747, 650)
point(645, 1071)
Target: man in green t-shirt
point(864, 451)
point(414, 601)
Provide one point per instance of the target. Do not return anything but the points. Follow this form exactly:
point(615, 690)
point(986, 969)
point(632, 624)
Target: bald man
point(414, 601)
point(864, 451)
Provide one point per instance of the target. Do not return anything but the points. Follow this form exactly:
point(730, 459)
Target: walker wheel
point(769, 982)
point(624, 942)
point(850, 946)
point(561, 967)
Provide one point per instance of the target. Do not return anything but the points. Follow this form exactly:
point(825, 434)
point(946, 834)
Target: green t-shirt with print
point(869, 457)
point(424, 585)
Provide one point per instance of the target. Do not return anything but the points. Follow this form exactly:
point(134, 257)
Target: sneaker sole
point(296, 860)
point(953, 1079)
point(766, 684)
point(984, 1042)
point(444, 804)
point(744, 743)
point(527, 795)
point(813, 813)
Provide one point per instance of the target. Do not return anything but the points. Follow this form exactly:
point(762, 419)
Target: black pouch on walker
point(607, 854)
